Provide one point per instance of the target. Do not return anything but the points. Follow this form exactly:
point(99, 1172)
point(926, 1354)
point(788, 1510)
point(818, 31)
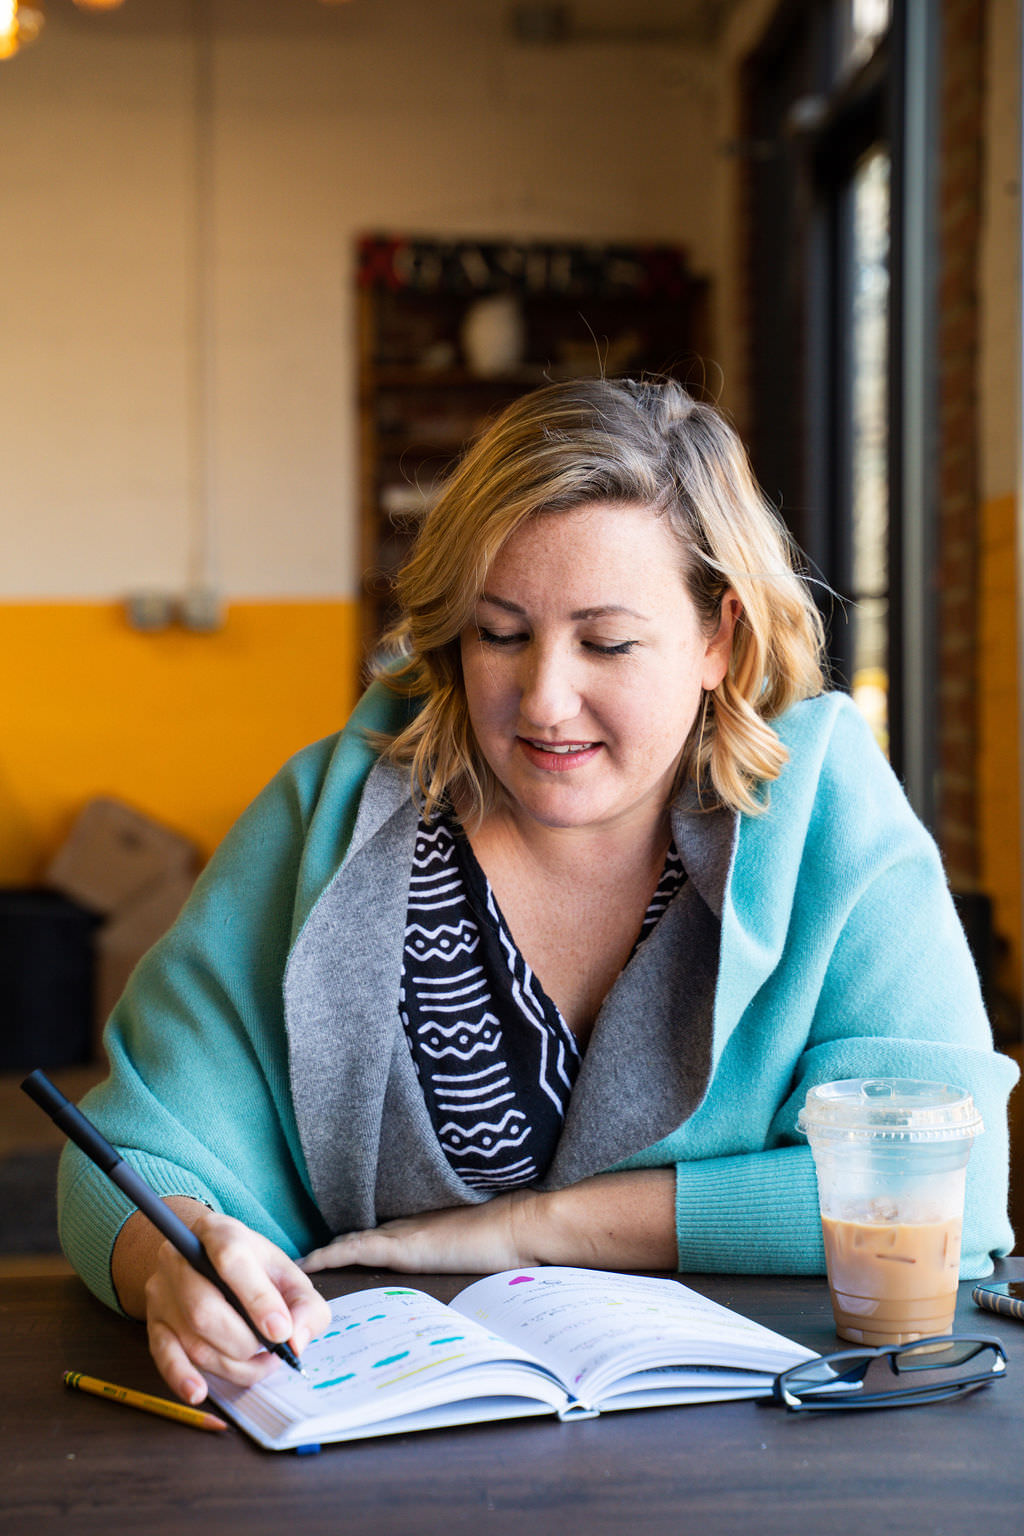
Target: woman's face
point(585, 665)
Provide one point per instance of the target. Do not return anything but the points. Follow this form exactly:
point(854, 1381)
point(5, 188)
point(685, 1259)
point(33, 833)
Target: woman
point(536, 960)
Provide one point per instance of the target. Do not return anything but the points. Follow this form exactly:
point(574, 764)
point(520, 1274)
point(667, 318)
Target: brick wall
point(959, 217)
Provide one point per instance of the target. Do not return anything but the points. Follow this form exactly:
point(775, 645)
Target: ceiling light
point(19, 25)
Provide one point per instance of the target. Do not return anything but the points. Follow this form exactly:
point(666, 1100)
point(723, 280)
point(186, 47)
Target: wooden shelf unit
point(585, 310)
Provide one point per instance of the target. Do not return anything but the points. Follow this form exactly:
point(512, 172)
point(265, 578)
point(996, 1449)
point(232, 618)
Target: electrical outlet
point(149, 611)
point(200, 609)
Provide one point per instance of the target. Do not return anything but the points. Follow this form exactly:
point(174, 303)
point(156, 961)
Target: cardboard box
point(115, 855)
point(134, 875)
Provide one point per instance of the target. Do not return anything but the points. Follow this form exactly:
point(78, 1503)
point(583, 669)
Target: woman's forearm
point(611, 1221)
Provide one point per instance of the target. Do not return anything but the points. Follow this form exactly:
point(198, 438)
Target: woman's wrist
point(610, 1221)
point(134, 1256)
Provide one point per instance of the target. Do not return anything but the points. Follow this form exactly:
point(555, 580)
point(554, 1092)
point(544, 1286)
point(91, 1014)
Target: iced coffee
point(891, 1157)
point(892, 1282)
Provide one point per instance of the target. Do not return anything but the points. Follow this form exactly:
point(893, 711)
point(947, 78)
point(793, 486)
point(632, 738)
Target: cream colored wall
point(390, 114)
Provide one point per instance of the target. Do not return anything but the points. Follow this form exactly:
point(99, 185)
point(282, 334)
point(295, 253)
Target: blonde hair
point(622, 443)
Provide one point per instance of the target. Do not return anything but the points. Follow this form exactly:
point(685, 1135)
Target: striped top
point(495, 1059)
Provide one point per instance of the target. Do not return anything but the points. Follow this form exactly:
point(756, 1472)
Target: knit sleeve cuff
point(752, 1214)
point(93, 1211)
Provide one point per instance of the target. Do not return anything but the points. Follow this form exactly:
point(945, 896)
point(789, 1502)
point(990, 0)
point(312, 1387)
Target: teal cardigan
point(258, 1064)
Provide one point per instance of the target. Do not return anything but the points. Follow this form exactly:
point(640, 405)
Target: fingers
point(243, 1260)
point(474, 1239)
point(194, 1329)
point(378, 1248)
point(181, 1359)
point(310, 1313)
point(336, 1255)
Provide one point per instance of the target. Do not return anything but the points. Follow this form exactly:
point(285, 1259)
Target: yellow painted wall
point(185, 727)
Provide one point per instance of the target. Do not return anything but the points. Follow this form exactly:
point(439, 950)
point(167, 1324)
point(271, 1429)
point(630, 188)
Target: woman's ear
point(718, 650)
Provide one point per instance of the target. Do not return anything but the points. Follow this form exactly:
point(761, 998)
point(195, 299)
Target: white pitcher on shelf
point(494, 335)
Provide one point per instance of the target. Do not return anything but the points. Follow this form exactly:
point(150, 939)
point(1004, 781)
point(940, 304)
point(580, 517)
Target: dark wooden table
point(81, 1466)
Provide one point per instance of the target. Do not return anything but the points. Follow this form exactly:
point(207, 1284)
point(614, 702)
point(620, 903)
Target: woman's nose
point(549, 689)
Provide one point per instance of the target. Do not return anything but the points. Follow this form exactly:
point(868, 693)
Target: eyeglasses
point(939, 1368)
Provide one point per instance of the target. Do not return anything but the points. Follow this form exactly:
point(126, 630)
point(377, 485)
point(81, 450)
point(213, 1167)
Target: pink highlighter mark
point(521, 1280)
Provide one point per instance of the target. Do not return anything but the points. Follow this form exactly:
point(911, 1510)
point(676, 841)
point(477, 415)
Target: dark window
point(837, 221)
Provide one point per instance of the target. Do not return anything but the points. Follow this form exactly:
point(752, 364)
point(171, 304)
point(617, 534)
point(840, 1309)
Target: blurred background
point(265, 264)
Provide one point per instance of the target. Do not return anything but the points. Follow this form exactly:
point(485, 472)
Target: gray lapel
point(366, 1135)
point(649, 1060)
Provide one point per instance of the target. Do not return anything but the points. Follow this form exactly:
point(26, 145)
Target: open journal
point(571, 1342)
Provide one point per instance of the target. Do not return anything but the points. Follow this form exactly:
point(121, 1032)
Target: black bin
point(46, 980)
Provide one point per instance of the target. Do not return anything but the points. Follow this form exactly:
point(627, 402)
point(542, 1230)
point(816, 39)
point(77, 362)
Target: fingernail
point(194, 1391)
point(302, 1338)
point(277, 1327)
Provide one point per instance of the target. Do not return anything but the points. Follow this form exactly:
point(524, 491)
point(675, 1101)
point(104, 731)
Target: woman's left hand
point(467, 1239)
point(612, 1221)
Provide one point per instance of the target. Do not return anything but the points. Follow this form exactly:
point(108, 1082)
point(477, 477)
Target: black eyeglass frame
point(824, 1399)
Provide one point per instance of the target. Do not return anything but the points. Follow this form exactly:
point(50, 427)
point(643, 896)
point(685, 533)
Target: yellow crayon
point(160, 1405)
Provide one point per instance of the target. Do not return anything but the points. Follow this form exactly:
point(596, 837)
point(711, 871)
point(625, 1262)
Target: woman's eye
point(495, 637)
point(623, 648)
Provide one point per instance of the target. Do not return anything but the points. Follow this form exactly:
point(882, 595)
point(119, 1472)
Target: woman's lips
point(558, 756)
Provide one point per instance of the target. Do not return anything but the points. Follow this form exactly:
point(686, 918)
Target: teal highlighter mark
point(350, 1326)
point(378, 1317)
point(332, 1335)
point(391, 1359)
point(456, 1338)
point(318, 1386)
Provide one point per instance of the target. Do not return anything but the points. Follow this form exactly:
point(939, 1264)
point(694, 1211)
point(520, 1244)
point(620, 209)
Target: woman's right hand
point(192, 1328)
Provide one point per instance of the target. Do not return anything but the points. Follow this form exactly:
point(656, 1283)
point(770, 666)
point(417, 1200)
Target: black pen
point(85, 1135)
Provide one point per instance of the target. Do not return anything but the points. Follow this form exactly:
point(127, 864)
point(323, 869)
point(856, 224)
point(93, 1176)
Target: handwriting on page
point(579, 1322)
point(380, 1340)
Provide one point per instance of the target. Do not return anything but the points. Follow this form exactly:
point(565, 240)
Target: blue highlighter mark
point(391, 1359)
point(318, 1386)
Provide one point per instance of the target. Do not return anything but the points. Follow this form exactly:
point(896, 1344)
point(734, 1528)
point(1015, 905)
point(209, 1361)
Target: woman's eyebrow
point(500, 602)
point(601, 611)
point(606, 609)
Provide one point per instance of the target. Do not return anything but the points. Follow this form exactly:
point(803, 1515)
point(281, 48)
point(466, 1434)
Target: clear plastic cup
point(891, 1159)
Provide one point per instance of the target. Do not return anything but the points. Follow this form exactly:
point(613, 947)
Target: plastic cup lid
point(897, 1109)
